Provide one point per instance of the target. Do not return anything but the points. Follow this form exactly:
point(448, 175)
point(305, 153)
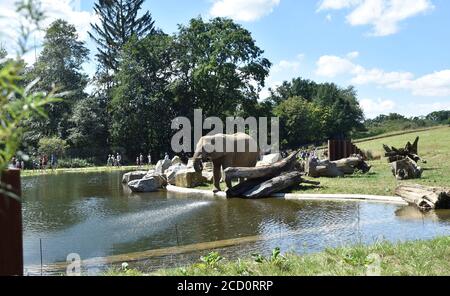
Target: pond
point(94, 215)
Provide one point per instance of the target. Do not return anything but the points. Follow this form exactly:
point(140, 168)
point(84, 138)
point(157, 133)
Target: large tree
point(301, 122)
point(60, 65)
point(220, 69)
point(119, 21)
point(142, 104)
point(89, 131)
point(346, 115)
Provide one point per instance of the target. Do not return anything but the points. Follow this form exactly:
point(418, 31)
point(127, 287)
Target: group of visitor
point(114, 160)
point(17, 163)
point(140, 162)
point(308, 153)
point(36, 163)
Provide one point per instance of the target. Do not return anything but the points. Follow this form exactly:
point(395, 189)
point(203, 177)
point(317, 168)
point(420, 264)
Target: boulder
point(208, 167)
point(172, 171)
point(150, 173)
point(176, 160)
point(269, 159)
point(162, 166)
point(131, 176)
point(189, 178)
point(209, 176)
point(148, 183)
point(190, 163)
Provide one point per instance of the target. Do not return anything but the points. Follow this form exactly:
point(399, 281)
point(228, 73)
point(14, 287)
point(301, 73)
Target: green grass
point(28, 173)
point(434, 147)
point(417, 258)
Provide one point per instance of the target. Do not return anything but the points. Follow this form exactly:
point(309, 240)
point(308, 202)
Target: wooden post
point(11, 248)
point(331, 150)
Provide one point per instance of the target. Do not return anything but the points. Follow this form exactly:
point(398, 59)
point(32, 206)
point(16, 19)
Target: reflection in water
point(413, 213)
point(94, 215)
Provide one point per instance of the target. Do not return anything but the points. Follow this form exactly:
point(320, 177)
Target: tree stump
point(406, 169)
point(424, 197)
point(411, 150)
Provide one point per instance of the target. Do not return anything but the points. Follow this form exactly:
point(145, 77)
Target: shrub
point(74, 163)
point(52, 145)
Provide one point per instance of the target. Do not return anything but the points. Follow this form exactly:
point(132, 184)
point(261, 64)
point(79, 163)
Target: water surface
point(94, 215)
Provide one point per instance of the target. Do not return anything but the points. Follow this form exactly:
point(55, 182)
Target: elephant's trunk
point(198, 165)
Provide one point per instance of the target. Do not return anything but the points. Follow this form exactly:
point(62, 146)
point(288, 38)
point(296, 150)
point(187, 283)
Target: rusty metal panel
point(11, 246)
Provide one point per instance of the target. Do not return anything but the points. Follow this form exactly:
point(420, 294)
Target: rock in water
point(189, 179)
point(148, 183)
point(162, 166)
point(131, 176)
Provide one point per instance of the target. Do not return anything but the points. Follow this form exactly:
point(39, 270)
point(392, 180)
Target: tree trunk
point(338, 168)
point(273, 185)
point(265, 172)
point(410, 150)
point(406, 169)
point(426, 198)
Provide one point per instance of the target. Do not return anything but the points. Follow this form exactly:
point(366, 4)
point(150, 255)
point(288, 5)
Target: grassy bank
point(434, 147)
point(384, 258)
point(28, 173)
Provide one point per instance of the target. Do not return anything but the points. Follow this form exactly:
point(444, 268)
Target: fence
point(11, 248)
point(338, 149)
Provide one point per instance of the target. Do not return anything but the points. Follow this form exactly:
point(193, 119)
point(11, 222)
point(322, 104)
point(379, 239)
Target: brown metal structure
point(11, 248)
point(338, 149)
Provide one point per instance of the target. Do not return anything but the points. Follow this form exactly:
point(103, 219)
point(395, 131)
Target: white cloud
point(332, 66)
point(372, 108)
point(282, 71)
point(383, 15)
point(240, 10)
point(336, 4)
point(68, 10)
point(353, 55)
point(436, 84)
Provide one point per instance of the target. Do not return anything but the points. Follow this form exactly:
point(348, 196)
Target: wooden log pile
point(265, 180)
point(346, 166)
point(410, 150)
point(404, 161)
point(425, 197)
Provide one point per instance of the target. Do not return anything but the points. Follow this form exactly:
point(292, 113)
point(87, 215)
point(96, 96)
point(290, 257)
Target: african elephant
point(242, 151)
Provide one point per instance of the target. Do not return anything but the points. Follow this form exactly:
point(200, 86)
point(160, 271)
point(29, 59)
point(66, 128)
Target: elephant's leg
point(217, 175)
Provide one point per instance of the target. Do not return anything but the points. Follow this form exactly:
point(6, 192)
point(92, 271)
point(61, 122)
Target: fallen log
point(273, 185)
point(406, 169)
point(424, 197)
point(267, 171)
point(346, 166)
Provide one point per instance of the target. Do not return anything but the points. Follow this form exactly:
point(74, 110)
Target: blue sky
point(395, 52)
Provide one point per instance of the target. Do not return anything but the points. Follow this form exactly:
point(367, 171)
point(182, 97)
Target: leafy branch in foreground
point(16, 104)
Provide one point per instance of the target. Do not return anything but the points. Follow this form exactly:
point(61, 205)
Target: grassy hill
point(434, 147)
